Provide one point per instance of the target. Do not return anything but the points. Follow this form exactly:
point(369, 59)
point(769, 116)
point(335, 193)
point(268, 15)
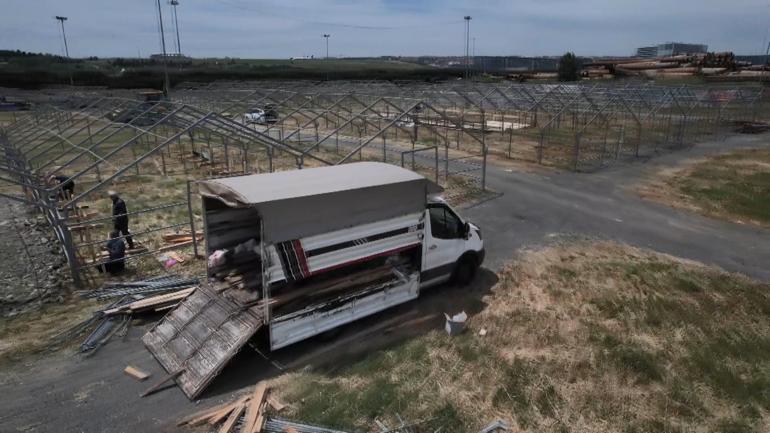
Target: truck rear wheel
point(465, 270)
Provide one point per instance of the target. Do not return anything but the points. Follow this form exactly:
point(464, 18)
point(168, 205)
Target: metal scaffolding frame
point(103, 139)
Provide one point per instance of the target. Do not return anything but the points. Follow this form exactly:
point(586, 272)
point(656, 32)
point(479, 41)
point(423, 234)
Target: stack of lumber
point(178, 240)
point(153, 303)
point(244, 415)
point(315, 292)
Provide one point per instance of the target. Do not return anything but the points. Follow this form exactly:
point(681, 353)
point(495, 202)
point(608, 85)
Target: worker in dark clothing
point(117, 250)
point(119, 217)
point(67, 185)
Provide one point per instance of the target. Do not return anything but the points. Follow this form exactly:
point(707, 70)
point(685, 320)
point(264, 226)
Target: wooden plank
point(136, 373)
point(275, 403)
point(222, 414)
point(290, 429)
point(161, 382)
point(255, 407)
point(174, 246)
point(257, 428)
point(204, 414)
point(227, 427)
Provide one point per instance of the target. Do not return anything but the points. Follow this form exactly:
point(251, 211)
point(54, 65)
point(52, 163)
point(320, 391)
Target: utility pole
point(64, 35)
point(327, 36)
point(467, 19)
point(163, 48)
point(175, 3)
point(473, 55)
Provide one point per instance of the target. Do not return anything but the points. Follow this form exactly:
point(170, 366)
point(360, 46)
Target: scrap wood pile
point(178, 240)
point(148, 296)
point(246, 414)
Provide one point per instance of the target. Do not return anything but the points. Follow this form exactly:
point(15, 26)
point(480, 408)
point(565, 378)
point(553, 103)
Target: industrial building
point(670, 49)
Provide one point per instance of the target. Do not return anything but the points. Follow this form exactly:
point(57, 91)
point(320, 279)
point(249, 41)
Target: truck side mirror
point(466, 230)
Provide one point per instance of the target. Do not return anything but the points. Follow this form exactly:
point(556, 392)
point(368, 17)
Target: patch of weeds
point(686, 283)
point(327, 404)
point(447, 419)
point(727, 425)
point(629, 356)
point(563, 273)
point(513, 393)
point(647, 426)
point(684, 400)
point(735, 365)
point(548, 400)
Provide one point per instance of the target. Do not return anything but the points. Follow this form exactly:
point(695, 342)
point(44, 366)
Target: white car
point(256, 115)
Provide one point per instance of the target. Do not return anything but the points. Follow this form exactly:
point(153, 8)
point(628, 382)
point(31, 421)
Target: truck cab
point(452, 248)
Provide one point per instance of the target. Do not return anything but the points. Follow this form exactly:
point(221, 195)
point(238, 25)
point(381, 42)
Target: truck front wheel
point(465, 270)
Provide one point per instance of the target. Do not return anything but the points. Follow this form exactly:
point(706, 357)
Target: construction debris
point(154, 303)
point(116, 317)
point(245, 414)
point(136, 373)
point(498, 425)
point(161, 284)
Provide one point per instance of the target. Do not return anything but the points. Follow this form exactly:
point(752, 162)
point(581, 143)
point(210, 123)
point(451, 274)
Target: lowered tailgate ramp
point(200, 336)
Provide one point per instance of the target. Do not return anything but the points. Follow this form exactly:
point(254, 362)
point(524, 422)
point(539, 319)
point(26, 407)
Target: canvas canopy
point(299, 203)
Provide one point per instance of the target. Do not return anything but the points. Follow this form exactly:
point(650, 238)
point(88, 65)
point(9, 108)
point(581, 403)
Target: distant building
point(647, 52)
point(670, 49)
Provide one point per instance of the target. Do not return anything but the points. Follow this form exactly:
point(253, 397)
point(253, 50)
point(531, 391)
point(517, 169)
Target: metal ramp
point(200, 336)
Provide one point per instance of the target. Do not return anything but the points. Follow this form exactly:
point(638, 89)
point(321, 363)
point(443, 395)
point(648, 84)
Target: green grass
point(733, 186)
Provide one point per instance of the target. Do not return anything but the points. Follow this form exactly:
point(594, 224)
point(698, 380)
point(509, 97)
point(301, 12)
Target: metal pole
point(175, 3)
point(192, 222)
point(166, 84)
point(64, 35)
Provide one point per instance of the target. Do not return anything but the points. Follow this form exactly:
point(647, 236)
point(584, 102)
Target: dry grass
point(733, 186)
point(585, 337)
point(31, 332)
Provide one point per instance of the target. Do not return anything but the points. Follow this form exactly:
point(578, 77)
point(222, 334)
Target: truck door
point(443, 244)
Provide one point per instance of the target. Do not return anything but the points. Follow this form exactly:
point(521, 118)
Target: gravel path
point(32, 267)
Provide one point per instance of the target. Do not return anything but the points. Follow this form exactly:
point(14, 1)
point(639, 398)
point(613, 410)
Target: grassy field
point(582, 337)
point(33, 72)
point(733, 186)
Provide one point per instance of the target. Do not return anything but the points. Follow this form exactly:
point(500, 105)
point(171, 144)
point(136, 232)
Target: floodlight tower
point(166, 83)
point(64, 35)
point(327, 36)
point(175, 3)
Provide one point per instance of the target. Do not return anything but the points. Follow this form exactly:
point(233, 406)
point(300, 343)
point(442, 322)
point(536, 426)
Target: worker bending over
point(119, 217)
point(67, 185)
point(117, 250)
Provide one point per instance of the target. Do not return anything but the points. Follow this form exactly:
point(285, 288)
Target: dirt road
point(65, 393)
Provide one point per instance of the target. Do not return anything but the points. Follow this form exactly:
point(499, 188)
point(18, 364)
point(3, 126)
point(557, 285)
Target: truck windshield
point(444, 224)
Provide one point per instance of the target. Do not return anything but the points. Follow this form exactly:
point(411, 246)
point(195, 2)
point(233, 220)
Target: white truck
point(302, 252)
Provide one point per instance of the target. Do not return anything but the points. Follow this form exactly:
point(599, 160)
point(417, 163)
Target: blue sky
point(280, 29)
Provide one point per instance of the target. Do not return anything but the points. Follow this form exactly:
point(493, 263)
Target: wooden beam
point(255, 407)
point(136, 373)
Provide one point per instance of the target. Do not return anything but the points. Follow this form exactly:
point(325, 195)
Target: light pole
point(467, 19)
point(175, 3)
point(166, 83)
point(64, 35)
point(473, 55)
point(327, 36)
